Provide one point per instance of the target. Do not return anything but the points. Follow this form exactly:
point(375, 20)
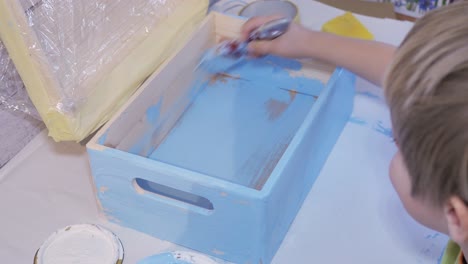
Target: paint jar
point(85, 243)
point(270, 7)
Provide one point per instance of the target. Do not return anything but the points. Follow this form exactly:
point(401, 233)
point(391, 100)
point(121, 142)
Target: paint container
point(84, 243)
point(285, 9)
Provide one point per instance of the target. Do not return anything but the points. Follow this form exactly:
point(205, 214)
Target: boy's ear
point(456, 213)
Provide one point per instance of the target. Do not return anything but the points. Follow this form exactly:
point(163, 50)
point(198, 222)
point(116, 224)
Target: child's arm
point(368, 59)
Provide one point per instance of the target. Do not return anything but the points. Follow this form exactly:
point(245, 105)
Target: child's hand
point(291, 44)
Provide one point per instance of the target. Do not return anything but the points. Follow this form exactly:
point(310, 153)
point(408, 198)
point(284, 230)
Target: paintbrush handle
point(267, 31)
point(270, 30)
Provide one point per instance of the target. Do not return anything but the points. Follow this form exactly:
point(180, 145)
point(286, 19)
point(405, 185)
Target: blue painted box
point(220, 163)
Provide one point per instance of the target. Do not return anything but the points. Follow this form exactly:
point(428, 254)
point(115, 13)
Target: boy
point(426, 87)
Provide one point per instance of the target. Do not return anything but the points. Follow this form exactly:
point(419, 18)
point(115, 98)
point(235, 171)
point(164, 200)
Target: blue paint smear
point(441, 256)
point(103, 138)
point(378, 127)
point(163, 258)
point(154, 119)
point(383, 130)
point(153, 112)
point(239, 126)
point(284, 63)
point(432, 236)
point(212, 63)
point(370, 95)
point(358, 121)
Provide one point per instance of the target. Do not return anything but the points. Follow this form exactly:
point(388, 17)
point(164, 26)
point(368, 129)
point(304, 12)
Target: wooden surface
point(405, 17)
point(368, 8)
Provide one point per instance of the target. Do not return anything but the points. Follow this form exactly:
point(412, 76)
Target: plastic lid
point(81, 244)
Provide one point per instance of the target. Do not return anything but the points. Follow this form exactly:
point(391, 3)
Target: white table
point(351, 215)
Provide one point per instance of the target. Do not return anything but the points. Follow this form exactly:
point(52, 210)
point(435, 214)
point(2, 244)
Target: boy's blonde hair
point(427, 92)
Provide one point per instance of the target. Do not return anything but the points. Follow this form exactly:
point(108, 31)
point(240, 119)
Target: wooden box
point(220, 163)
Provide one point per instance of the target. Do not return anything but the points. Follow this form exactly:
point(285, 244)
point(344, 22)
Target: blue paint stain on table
point(178, 257)
point(163, 258)
point(239, 126)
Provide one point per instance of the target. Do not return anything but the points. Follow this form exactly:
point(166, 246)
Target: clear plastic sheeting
point(13, 95)
point(81, 38)
point(81, 59)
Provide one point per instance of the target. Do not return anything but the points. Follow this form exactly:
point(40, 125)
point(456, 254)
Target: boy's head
point(427, 92)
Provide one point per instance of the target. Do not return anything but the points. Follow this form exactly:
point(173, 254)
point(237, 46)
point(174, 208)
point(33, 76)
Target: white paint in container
point(81, 244)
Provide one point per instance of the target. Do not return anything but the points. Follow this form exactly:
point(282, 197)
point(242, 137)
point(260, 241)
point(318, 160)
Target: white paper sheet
point(351, 215)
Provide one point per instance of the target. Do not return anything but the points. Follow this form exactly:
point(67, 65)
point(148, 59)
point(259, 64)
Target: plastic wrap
point(13, 95)
point(80, 60)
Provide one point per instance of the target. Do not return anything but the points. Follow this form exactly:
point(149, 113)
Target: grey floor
point(16, 130)
point(19, 121)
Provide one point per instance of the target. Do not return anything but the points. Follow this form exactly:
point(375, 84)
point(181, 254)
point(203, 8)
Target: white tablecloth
point(351, 215)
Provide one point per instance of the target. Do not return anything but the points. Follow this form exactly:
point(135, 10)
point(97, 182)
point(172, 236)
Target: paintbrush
point(228, 54)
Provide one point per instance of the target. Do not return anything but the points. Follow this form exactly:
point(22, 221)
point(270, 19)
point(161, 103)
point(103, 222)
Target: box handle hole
point(174, 194)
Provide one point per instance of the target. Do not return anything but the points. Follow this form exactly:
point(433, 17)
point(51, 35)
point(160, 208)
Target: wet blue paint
point(246, 225)
point(238, 128)
point(153, 112)
point(282, 63)
point(214, 63)
point(102, 139)
point(163, 258)
point(143, 145)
